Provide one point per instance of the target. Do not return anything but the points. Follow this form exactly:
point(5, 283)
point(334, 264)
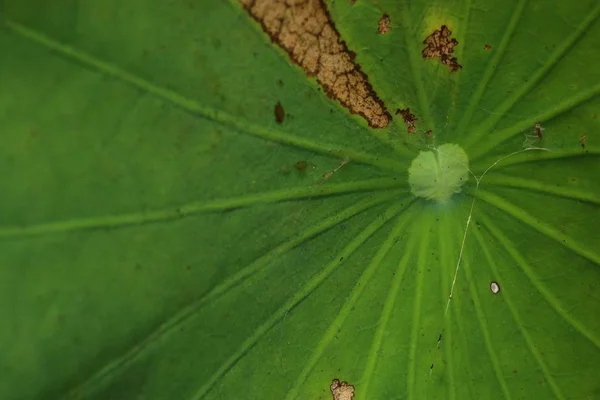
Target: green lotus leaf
point(188, 212)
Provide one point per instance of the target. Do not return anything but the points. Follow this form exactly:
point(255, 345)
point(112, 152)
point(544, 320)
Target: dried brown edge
point(352, 55)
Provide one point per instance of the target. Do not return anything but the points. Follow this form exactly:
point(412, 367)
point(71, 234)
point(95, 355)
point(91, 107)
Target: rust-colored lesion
point(305, 31)
point(441, 45)
point(539, 131)
point(582, 140)
point(384, 24)
point(409, 119)
point(279, 113)
point(341, 390)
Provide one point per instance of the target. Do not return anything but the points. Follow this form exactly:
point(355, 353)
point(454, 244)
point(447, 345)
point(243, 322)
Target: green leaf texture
point(163, 237)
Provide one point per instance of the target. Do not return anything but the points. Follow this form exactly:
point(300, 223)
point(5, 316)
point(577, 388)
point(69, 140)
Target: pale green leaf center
point(439, 173)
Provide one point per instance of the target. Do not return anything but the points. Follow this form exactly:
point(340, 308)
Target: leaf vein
point(195, 108)
point(167, 328)
point(295, 300)
point(189, 209)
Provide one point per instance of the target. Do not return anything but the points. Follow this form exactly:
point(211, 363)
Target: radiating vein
point(298, 297)
point(571, 193)
point(486, 333)
point(386, 313)
point(461, 38)
point(189, 209)
point(526, 124)
point(490, 67)
point(424, 229)
point(414, 58)
point(540, 226)
point(167, 328)
point(348, 305)
point(537, 156)
point(499, 112)
point(194, 107)
point(447, 240)
point(513, 310)
point(522, 216)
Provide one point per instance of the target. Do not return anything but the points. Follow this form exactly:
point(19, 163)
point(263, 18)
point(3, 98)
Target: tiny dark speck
point(279, 113)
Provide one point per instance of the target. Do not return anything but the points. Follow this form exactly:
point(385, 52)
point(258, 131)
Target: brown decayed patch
point(487, 47)
point(341, 391)
point(303, 29)
point(279, 113)
point(582, 140)
point(384, 24)
point(440, 45)
point(301, 166)
point(409, 119)
point(538, 130)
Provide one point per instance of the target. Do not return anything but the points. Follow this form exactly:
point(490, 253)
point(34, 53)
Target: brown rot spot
point(384, 24)
point(279, 113)
point(487, 47)
point(301, 166)
point(582, 140)
point(305, 31)
point(440, 45)
point(538, 130)
point(428, 133)
point(341, 390)
point(409, 119)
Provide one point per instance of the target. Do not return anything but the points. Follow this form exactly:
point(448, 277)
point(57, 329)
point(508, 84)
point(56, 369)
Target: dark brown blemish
point(582, 140)
point(305, 31)
point(538, 130)
point(409, 119)
point(428, 133)
point(487, 47)
point(279, 113)
point(384, 24)
point(341, 390)
point(301, 166)
point(440, 45)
